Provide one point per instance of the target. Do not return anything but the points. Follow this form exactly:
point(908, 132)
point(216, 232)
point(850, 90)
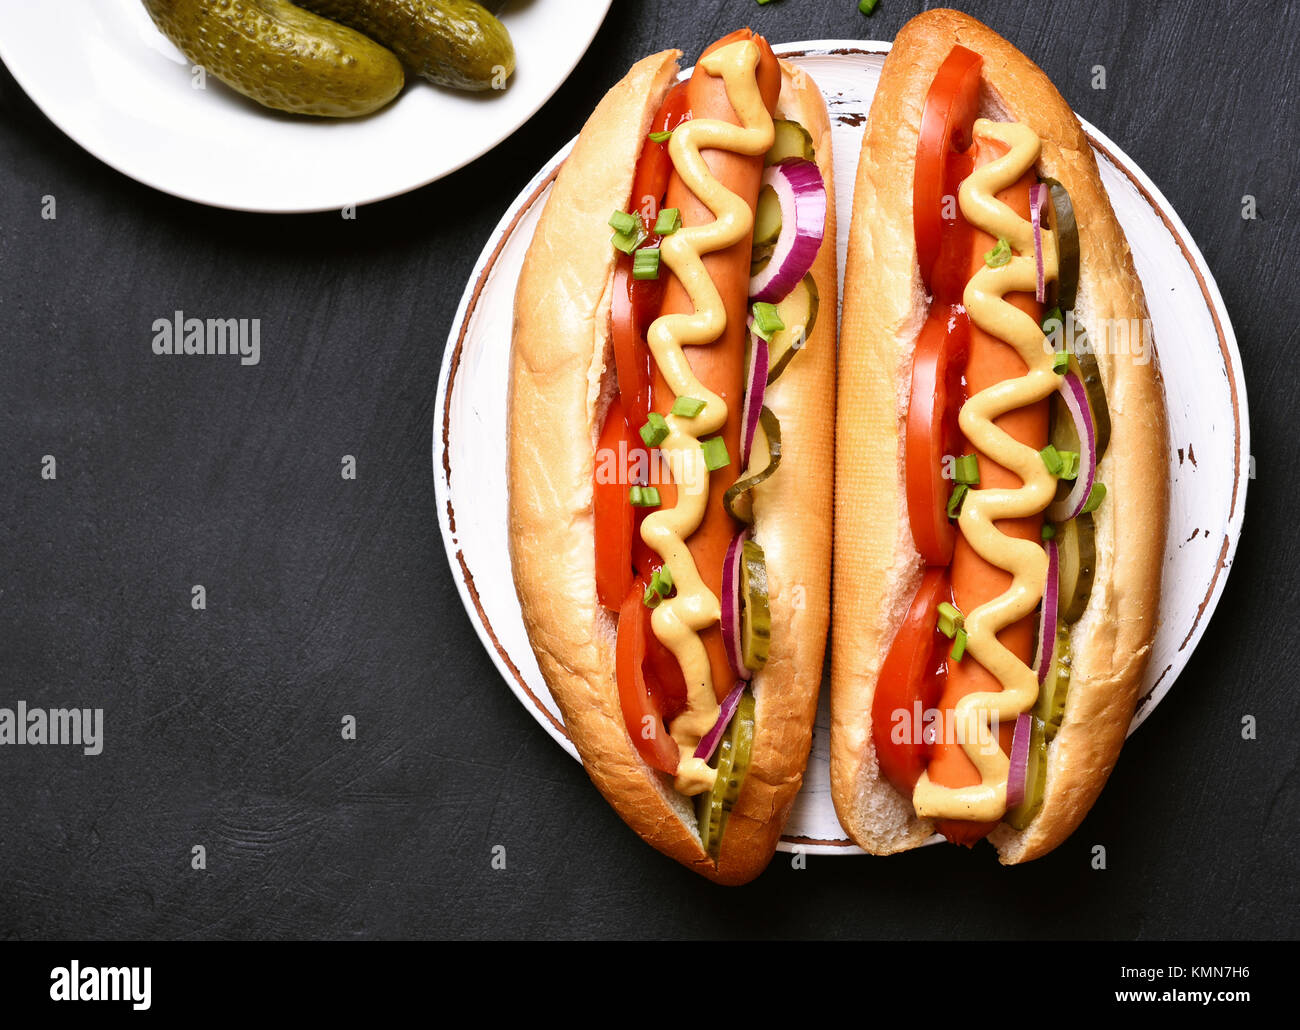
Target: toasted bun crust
point(562, 376)
point(877, 568)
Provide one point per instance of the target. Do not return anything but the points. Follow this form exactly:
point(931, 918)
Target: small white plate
point(103, 73)
point(1209, 430)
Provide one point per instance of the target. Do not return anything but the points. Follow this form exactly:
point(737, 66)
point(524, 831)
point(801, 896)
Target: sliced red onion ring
point(731, 606)
point(757, 380)
point(801, 193)
point(1037, 198)
point(709, 742)
point(1047, 612)
point(1019, 760)
point(1075, 395)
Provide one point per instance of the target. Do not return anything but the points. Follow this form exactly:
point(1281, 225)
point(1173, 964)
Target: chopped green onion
point(661, 582)
point(1049, 531)
point(950, 619)
point(627, 242)
point(959, 646)
point(655, 430)
point(668, 222)
point(623, 223)
point(864, 6)
point(1061, 362)
point(954, 501)
point(767, 320)
point(715, 453)
point(999, 255)
point(688, 406)
point(1052, 459)
point(645, 263)
point(644, 496)
point(661, 137)
point(966, 469)
point(1095, 497)
point(651, 597)
point(1070, 464)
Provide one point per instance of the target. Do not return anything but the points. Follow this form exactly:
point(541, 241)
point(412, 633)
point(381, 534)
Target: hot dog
point(999, 526)
point(669, 450)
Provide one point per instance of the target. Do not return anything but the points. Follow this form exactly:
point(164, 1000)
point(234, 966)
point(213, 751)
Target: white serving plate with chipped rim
point(1204, 390)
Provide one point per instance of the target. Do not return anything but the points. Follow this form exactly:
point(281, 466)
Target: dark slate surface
point(328, 597)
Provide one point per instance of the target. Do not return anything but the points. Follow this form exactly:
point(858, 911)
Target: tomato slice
point(632, 361)
point(946, 124)
point(641, 713)
point(663, 676)
point(655, 166)
point(615, 516)
point(931, 434)
point(910, 683)
point(944, 156)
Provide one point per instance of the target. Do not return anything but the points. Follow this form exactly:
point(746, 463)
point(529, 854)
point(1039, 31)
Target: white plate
point(1202, 373)
point(103, 73)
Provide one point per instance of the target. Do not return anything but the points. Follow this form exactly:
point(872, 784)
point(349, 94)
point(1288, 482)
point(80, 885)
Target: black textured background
point(328, 597)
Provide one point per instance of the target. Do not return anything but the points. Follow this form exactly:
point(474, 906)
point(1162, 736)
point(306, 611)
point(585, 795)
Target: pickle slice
point(755, 615)
point(1076, 542)
point(792, 140)
point(1088, 371)
point(764, 459)
point(1064, 436)
point(711, 808)
point(1035, 777)
point(1060, 215)
point(767, 219)
point(799, 313)
point(733, 763)
point(1064, 433)
point(1050, 706)
point(741, 732)
point(711, 811)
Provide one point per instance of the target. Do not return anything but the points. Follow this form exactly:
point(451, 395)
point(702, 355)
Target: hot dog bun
point(877, 568)
point(561, 381)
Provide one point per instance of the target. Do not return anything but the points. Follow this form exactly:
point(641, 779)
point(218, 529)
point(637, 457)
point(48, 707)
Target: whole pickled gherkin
point(457, 43)
point(282, 56)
